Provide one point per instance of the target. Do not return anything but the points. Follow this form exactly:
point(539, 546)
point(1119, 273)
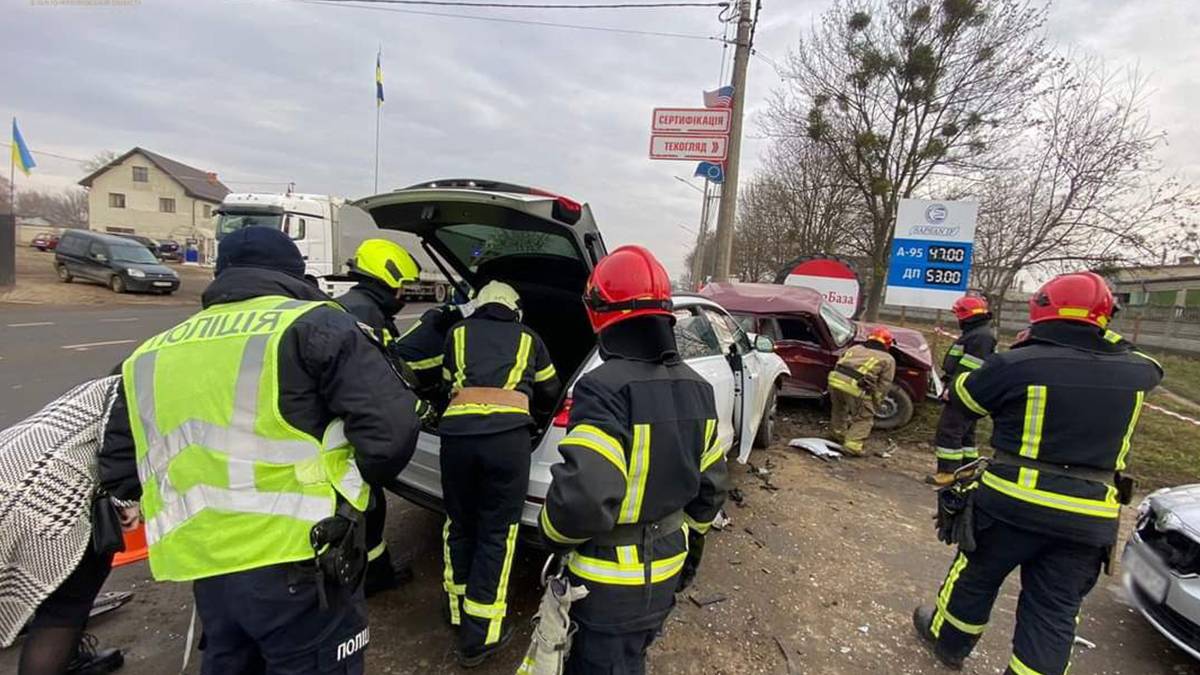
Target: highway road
point(46, 350)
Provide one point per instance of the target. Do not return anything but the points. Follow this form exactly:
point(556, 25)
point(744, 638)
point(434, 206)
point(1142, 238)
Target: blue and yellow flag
point(378, 79)
point(21, 157)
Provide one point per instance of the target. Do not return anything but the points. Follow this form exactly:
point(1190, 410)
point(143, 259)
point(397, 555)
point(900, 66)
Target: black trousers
point(1056, 575)
point(484, 481)
point(594, 653)
point(955, 440)
point(269, 621)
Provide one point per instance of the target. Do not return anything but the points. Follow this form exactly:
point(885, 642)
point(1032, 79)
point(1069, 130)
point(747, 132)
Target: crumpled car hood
point(1177, 509)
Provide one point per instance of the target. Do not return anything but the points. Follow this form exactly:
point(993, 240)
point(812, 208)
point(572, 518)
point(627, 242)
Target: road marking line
point(86, 345)
point(30, 324)
point(132, 318)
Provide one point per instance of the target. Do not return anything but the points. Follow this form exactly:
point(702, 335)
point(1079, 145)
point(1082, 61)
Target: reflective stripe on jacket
point(863, 371)
point(227, 484)
point(1069, 397)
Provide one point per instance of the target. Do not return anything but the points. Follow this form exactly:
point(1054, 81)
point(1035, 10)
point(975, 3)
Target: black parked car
point(149, 243)
point(115, 261)
point(170, 250)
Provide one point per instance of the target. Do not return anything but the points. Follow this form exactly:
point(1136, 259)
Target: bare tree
point(68, 208)
point(99, 161)
point(5, 206)
point(897, 89)
point(797, 204)
point(1084, 189)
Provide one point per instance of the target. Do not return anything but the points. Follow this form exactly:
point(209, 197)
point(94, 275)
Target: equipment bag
point(552, 627)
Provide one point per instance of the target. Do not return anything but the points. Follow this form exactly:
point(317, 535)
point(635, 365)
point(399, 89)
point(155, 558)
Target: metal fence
point(1175, 329)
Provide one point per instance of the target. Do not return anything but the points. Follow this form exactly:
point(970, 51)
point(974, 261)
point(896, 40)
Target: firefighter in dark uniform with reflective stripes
point(1064, 403)
point(643, 473)
point(420, 346)
point(501, 381)
point(381, 268)
point(954, 439)
point(857, 386)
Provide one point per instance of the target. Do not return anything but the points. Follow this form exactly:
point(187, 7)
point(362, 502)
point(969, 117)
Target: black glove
point(692, 563)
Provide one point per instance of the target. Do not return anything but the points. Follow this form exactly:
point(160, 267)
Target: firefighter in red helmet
point(954, 440)
point(857, 386)
point(632, 529)
point(1064, 404)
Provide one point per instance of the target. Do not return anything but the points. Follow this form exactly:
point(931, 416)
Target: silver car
point(1161, 564)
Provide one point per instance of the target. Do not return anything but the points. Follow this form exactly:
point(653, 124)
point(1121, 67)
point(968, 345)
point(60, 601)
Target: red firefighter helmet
point(968, 306)
point(627, 283)
point(882, 335)
point(1078, 296)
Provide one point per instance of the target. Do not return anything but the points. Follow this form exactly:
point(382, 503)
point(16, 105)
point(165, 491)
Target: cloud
point(284, 91)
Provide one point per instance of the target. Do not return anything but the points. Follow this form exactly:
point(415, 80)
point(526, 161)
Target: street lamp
point(690, 184)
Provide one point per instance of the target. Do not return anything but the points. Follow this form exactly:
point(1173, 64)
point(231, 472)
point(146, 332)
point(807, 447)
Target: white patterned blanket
point(47, 480)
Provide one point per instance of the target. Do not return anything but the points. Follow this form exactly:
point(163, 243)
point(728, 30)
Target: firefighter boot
point(922, 619)
point(473, 657)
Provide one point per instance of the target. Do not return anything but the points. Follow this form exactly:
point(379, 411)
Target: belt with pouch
point(643, 534)
point(1123, 484)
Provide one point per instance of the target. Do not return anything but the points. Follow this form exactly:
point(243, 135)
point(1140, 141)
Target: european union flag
point(378, 79)
point(21, 157)
point(713, 171)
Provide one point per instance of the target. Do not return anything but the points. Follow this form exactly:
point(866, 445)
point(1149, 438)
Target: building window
point(141, 174)
point(166, 205)
point(207, 211)
point(116, 200)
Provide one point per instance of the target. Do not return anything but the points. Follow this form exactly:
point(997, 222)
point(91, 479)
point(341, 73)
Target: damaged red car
point(810, 335)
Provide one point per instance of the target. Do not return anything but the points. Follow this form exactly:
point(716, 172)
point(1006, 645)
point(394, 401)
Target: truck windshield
point(231, 222)
point(840, 327)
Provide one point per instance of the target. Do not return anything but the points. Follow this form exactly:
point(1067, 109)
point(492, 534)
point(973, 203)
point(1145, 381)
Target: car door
point(94, 265)
point(700, 348)
point(802, 346)
point(751, 395)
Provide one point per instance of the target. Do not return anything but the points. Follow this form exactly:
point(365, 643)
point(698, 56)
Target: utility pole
point(728, 210)
point(698, 254)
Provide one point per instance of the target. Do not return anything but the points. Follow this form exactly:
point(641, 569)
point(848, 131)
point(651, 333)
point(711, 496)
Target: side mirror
point(100, 257)
point(764, 344)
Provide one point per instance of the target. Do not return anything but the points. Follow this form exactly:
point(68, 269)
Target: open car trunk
point(480, 236)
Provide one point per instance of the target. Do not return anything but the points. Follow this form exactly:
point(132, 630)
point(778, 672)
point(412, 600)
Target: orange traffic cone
point(135, 547)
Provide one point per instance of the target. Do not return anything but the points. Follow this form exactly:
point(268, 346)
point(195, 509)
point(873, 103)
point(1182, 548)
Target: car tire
point(64, 275)
point(896, 411)
point(765, 435)
point(117, 284)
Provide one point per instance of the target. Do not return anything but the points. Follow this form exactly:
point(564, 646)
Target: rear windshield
point(476, 244)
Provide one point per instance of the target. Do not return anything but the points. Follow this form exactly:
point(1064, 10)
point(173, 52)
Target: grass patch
point(1182, 374)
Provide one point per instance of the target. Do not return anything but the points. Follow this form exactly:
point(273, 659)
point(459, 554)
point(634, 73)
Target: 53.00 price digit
point(937, 276)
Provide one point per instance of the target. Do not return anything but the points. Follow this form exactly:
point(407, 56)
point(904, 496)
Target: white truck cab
point(327, 231)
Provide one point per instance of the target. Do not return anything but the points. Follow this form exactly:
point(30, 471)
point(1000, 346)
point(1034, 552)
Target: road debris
point(787, 656)
point(820, 448)
point(1085, 642)
point(706, 600)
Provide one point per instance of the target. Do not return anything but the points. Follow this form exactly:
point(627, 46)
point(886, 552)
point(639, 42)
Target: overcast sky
point(279, 90)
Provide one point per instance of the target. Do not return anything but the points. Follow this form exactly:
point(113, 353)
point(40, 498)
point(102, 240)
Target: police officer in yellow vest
point(251, 433)
point(381, 268)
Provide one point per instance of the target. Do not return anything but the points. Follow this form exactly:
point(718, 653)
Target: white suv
point(545, 246)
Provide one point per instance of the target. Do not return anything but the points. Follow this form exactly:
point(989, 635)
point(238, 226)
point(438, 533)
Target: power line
point(521, 5)
point(181, 178)
point(524, 22)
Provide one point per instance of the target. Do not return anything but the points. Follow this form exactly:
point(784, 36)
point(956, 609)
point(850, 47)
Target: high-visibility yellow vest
point(227, 484)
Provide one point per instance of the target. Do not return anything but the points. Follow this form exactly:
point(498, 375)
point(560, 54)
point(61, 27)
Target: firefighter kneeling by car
point(643, 472)
point(1064, 403)
point(857, 386)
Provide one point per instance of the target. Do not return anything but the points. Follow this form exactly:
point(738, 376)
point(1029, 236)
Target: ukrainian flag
point(21, 157)
point(378, 80)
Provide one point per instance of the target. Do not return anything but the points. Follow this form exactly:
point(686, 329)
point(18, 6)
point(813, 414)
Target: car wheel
point(766, 427)
point(117, 284)
point(64, 275)
point(895, 411)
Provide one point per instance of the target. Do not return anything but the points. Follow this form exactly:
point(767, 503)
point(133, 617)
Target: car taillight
point(563, 417)
point(565, 209)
